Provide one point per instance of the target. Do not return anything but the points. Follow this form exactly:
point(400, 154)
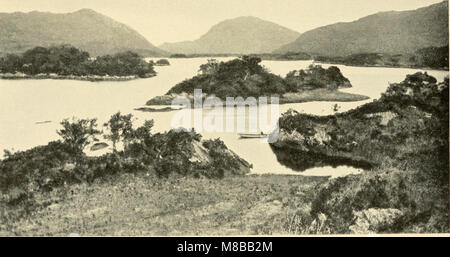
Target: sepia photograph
point(224, 118)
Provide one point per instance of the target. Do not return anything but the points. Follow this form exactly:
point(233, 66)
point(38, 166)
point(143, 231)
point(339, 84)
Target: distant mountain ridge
point(242, 35)
point(386, 32)
point(84, 29)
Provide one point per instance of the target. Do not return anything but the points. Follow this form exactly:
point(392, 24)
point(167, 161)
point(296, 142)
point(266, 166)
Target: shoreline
point(316, 95)
point(320, 62)
point(91, 78)
point(384, 66)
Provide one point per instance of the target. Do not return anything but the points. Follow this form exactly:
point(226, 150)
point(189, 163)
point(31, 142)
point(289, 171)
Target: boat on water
point(43, 122)
point(253, 135)
point(159, 109)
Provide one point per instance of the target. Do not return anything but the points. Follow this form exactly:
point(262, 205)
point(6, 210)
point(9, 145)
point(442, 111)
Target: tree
point(252, 64)
point(78, 133)
point(120, 127)
point(210, 67)
point(143, 133)
point(11, 63)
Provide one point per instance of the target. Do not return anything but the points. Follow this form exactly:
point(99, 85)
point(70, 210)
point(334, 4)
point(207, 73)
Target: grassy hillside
point(141, 205)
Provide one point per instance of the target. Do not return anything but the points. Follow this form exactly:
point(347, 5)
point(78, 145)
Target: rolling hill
point(85, 29)
point(386, 32)
point(242, 35)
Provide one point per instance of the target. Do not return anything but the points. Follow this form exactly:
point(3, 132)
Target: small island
point(68, 62)
point(162, 62)
point(245, 77)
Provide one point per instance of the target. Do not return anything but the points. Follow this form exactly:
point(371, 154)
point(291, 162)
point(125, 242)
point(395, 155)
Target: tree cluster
point(68, 60)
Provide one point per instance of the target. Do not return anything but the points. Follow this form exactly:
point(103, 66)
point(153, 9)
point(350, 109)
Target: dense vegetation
point(289, 56)
point(405, 134)
point(246, 77)
point(433, 57)
point(178, 56)
point(162, 62)
point(174, 153)
point(68, 60)
point(316, 77)
point(430, 57)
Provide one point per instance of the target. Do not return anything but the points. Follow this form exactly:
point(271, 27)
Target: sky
point(179, 20)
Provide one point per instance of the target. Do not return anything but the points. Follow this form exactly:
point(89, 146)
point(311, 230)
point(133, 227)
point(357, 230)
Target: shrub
point(78, 133)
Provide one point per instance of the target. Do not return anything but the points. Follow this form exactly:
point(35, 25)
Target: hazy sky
point(178, 20)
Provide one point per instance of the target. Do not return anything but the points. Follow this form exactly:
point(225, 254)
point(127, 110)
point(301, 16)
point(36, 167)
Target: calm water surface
point(26, 103)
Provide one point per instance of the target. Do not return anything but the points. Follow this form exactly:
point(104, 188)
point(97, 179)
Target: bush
point(78, 133)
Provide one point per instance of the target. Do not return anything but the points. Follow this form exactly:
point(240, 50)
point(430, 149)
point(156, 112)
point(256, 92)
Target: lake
point(32, 109)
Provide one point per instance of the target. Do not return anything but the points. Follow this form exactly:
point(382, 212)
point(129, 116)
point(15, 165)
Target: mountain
point(243, 35)
point(386, 32)
point(85, 29)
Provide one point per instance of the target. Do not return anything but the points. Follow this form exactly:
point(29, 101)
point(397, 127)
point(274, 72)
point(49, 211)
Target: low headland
point(429, 58)
point(432, 58)
point(400, 139)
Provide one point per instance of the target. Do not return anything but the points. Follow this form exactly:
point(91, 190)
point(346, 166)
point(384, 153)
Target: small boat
point(43, 122)
point(99, 146)
point(253, 135)
point(159, 109)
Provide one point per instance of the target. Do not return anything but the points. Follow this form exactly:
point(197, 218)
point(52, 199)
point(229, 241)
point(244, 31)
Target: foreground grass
point(143, 205)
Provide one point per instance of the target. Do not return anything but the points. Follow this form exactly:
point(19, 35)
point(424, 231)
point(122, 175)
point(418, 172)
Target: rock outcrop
point(373, 220)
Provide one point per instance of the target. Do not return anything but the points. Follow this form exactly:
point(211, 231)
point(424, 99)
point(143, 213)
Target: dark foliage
point(162, 62)
point(245, 77)
point(433, 57)
point(430, 57)
point(68, 60)
point(410, 151)
point(316, 77)
point(174, 153)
